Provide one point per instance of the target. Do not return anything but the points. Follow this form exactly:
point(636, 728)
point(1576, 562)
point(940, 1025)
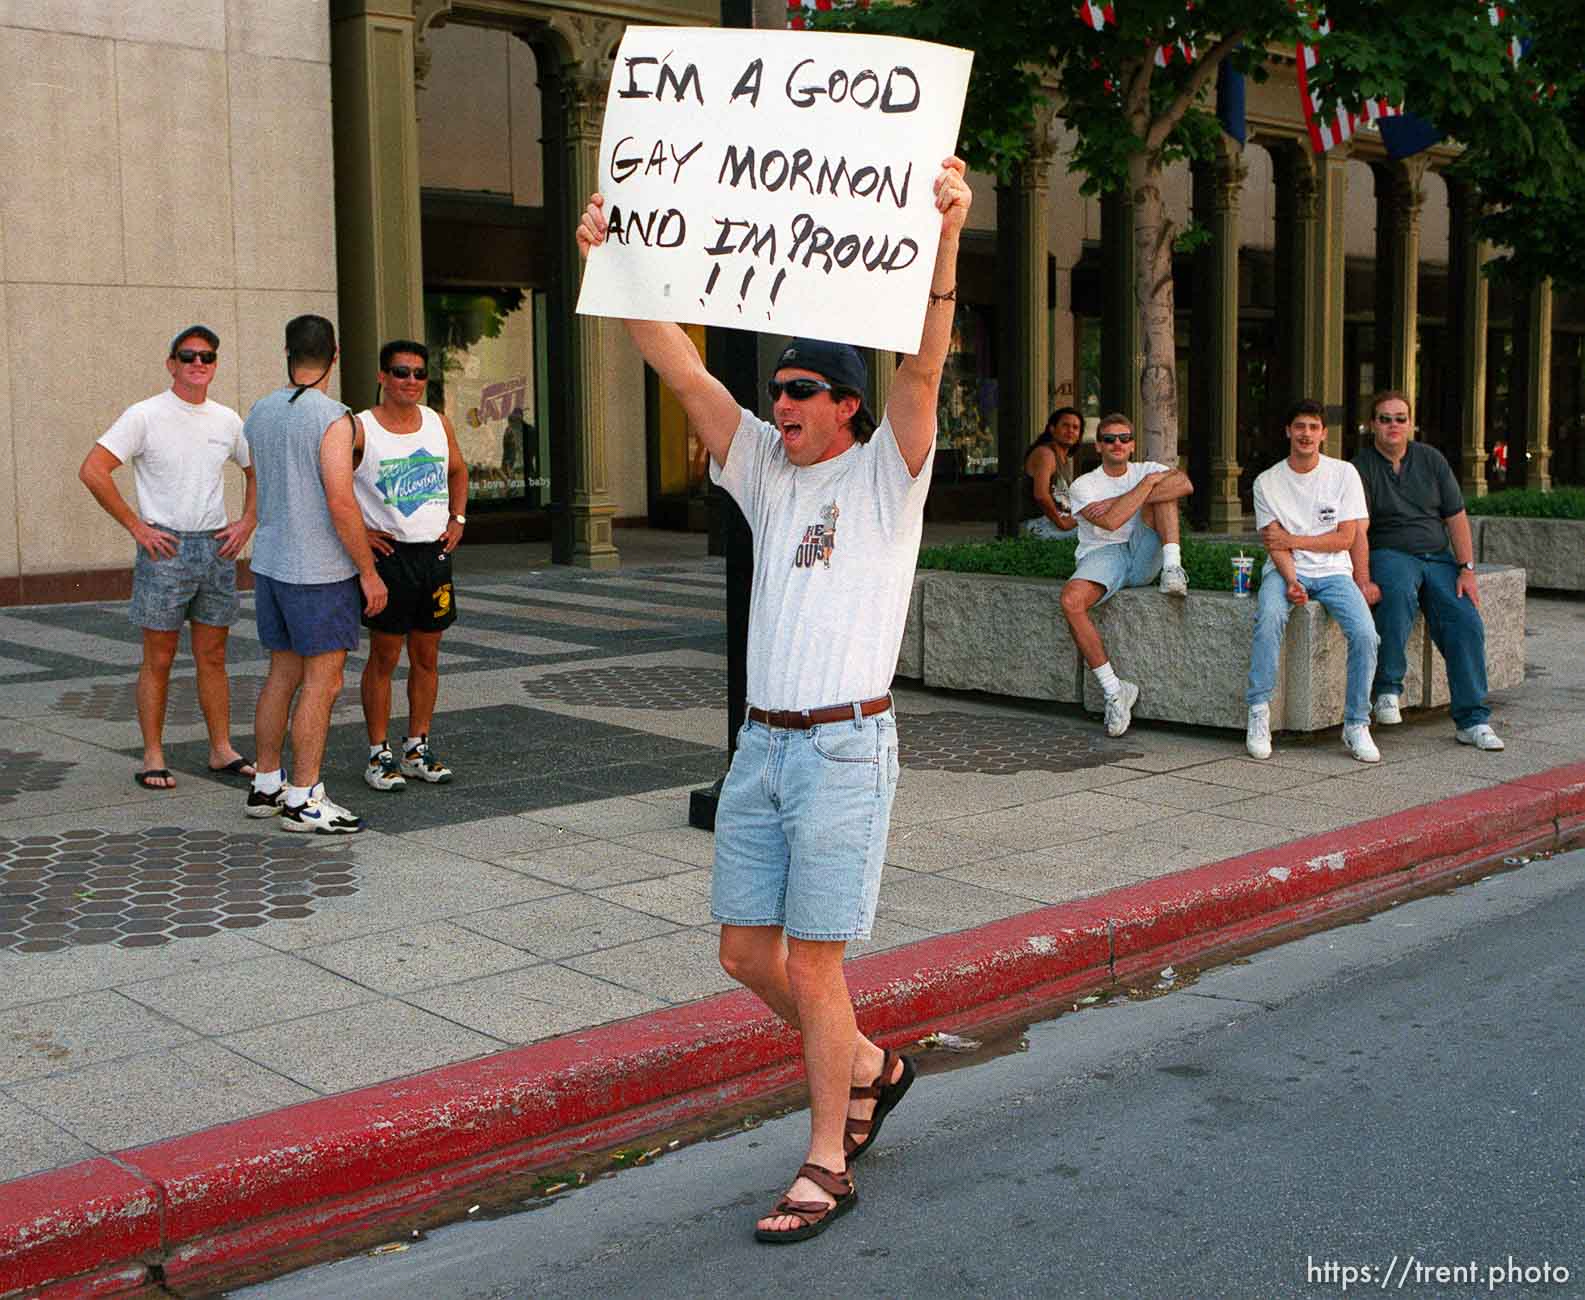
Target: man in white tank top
point(412, 487)
point(837, 506)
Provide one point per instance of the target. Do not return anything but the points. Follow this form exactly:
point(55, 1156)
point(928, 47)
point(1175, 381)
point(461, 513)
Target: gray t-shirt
point(835, 545)
point(296, 541)
point(1407, 507)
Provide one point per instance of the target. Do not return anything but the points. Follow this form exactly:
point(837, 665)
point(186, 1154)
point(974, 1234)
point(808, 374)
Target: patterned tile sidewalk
point(166, 964)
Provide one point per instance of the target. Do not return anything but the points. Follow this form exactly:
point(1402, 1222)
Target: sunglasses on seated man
point(1110, 438)
point(189, 355)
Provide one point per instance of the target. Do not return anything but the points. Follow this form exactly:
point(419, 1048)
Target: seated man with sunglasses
point(412, 487)
point(1419, 554)
point(836, 503)
point(1127, 513)
point(185, 569)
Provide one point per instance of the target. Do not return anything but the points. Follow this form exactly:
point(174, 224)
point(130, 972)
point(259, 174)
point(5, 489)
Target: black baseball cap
point(838, 362)
point(196, 331)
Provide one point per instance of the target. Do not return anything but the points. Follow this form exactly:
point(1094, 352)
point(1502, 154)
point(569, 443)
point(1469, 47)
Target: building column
point(1468, 297)
point(1399, 197)
point(1538, 383)
point(1311, 191)
point(1216, 195)
point(374, 116)
point(1120, 339)
point(576, 68)
point(1023, 386)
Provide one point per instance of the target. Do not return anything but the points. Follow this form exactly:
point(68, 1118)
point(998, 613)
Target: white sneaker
point(1120, 708)
point(1174, 581)
point(1388, 712)
point(1257, 735)
point(1360, 744)
point(320, 815)
point(1480, 735)
point(382, 773)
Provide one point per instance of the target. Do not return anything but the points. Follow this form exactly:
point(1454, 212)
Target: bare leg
point(214, 690)
point(802, 982)
point(154, 681)
point(385, 652)
point(311, 717)
point(423, 680)
point(1079, 596)
point(275, 706)
point(1163, 516)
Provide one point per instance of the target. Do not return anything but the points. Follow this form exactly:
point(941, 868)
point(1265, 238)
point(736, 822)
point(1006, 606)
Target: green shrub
point(1529, 503)
point(1208, 564)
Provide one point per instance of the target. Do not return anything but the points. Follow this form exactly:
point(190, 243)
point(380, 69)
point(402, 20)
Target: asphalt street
point(1346, 1113)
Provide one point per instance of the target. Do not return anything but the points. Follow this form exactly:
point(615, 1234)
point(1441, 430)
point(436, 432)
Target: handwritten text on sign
point(775, 181)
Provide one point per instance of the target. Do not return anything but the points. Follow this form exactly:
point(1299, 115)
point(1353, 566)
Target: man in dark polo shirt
point(1419, 554)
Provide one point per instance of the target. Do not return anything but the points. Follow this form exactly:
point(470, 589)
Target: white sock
point(298, 795)
point(375, 747)
point(410, 743)
point(1171, 555)
point(1107, 678)
point(269, 782)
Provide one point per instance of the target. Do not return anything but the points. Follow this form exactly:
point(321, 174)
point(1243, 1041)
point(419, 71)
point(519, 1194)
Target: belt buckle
point(804, 714)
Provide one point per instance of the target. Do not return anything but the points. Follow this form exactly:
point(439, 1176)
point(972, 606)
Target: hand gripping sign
point(775, 181)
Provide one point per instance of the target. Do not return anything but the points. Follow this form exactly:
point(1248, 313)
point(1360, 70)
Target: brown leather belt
point(803, 719)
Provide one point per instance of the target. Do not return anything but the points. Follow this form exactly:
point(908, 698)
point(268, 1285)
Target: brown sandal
point(816, 1215)
point(861, 1133)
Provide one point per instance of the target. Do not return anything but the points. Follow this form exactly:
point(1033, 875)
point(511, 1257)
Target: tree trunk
point(1158, 376)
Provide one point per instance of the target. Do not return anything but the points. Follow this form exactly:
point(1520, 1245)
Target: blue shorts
point(196, 583)
point(308, 618)
point(1123, 564)
point(800, 829)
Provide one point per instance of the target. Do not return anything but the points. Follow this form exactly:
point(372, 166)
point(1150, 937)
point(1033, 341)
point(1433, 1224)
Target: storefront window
point(485, 373)
point(966, 443)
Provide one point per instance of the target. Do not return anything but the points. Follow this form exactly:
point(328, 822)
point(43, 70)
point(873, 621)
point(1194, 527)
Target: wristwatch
point(461, 519)
point(1468, 566)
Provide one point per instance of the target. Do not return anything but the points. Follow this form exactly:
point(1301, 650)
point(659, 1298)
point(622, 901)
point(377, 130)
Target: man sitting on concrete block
point(1309, 509)
point(1127, 513)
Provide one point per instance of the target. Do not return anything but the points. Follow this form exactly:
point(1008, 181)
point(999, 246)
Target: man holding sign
point(837, 507)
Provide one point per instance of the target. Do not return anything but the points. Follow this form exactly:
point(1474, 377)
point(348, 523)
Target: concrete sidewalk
point(167, 965)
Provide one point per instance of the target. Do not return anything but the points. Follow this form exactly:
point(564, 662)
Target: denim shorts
point(196, 583)
point(1123, 564)
point(800, 829)
point(307, 618)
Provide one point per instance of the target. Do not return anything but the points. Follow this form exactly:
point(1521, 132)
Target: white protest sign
point(775, 181)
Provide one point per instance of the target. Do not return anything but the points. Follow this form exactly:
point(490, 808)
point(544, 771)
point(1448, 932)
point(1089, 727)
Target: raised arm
point(669, 351)
point(917, 386)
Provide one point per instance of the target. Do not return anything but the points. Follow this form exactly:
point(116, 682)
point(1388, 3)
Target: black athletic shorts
point(418, 577)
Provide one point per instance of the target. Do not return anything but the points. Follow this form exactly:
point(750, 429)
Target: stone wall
point(1007, 636)
point(1551, 551)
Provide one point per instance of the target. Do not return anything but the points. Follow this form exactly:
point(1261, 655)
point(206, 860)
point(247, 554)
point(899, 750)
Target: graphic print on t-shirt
point(407, 482)
point(819, 540)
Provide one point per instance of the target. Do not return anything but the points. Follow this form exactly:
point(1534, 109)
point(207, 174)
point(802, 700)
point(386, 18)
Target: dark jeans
point(1410, 583)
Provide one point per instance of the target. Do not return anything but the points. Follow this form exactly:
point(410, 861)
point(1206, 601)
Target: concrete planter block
point(911, 654)
point(1002, 635)
point(1190, 657)
point(1551, 551)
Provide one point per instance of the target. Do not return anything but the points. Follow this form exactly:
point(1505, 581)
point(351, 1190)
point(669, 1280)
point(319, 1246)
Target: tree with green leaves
point(1132, 114)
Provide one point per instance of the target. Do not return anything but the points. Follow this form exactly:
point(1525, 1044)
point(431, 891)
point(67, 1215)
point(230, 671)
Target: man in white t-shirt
point(1309, 509)
point(1127, 514)
point(836, 503)
point(185, 569)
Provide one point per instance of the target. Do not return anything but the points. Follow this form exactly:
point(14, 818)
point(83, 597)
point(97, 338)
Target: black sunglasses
point(800, 390)
point(1110, 438)
point(189, 355)
point(408, 372)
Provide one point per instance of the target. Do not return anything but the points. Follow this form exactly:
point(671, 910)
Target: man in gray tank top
point(314, 573)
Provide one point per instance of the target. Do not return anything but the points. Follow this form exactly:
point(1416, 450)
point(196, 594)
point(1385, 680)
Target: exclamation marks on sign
point(742, 293)
point(776, 289)
point(709, 287)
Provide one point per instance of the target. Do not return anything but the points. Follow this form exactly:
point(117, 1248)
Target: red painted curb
point(238, 1193)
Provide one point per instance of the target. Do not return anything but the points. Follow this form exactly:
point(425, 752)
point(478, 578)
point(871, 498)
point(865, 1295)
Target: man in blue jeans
point(1309, 509)
point(1419, 555)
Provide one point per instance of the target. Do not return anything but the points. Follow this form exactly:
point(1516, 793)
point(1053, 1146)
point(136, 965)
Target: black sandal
point(816, 1215)
point(147, 778)
point(861, 1133)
